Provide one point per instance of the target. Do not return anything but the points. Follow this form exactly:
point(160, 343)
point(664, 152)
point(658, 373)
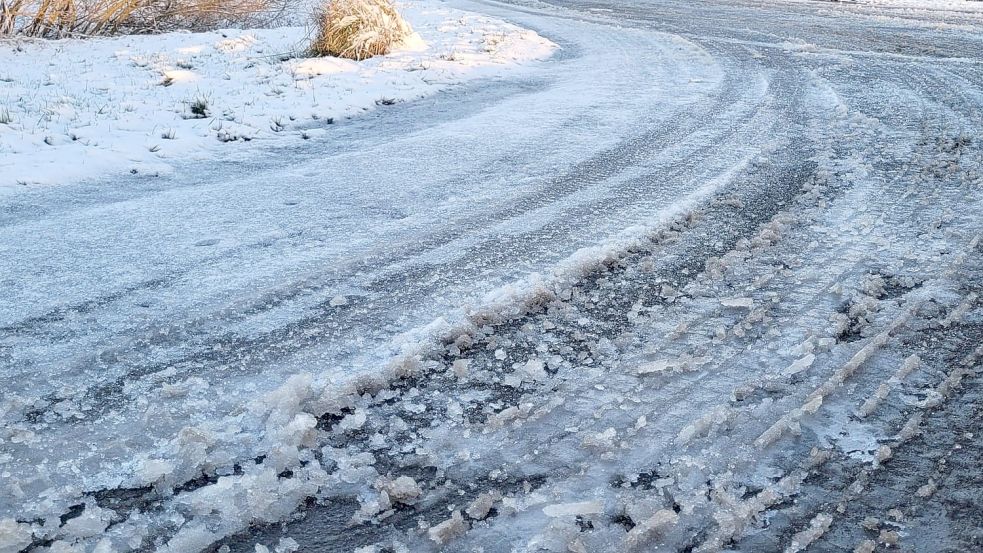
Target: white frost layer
point(85, 108)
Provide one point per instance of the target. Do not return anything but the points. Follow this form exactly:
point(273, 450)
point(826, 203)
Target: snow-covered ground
point(691, 285)
point(71, 109)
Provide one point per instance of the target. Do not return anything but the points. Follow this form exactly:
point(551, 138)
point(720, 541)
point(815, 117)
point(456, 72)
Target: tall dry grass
point(60, 18)
point(358, 29)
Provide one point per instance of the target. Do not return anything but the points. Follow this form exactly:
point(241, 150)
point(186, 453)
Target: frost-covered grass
point(358, 29)
point(74, 108)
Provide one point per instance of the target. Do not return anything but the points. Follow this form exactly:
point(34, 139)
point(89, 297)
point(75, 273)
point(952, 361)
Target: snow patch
point(144, 104)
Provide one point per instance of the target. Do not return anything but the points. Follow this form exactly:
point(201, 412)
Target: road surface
point(709, 279)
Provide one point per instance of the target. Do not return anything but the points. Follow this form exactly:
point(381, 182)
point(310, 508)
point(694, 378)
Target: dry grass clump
point(358, 29)
point(61, 18)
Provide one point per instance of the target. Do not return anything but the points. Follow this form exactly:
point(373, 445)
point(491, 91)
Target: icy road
point(707, 280)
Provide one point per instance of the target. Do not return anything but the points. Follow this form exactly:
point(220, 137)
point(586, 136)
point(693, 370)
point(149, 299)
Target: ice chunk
point(287, 545)
point(351, 468)
point(284, 402)
point(702, 425)
point(401, 490)
point(658, 524)
point(888, 537)
point(104, 546)
point(447, 530)
point(478, 509)
point(927, 490)
point(817, 527)
point(668, 292)
point(883, 454)
point(507, 415)
point(601, 440)
point(655, 366)
point(574, 509)
point(534, 369)
point(461, 368)
point(371, 504)
point(14, 536)
point(799, 365)
point(190, 538)
point(866, 546)
point(338, 301)
point(746, 303)
point(91, 522)
point(64, 547)
point(152, 470)
point(299, 431)
point(353, 421)
point(812, 405)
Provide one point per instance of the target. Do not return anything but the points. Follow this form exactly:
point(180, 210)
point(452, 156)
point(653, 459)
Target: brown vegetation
point(61, 18)
point(358, 29)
